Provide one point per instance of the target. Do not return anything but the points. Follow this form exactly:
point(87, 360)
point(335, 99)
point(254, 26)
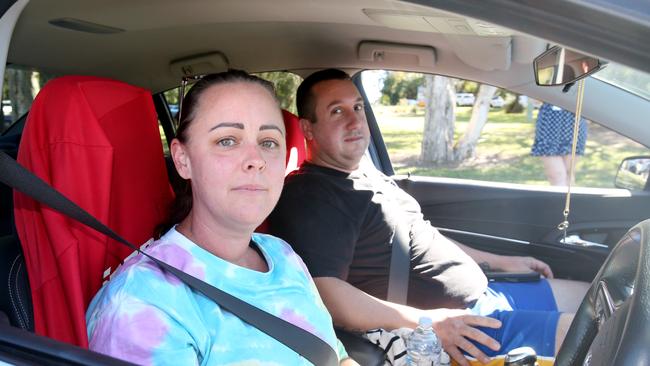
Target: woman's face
point(234, 155)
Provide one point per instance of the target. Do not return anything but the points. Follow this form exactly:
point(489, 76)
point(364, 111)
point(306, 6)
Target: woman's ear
point(305, 126)
point(181, 159)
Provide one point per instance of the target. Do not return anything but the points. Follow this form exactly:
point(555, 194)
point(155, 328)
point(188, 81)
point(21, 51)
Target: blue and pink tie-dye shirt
point(146, 316)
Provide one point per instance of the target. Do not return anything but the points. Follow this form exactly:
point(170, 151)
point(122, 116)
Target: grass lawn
point(503, 151)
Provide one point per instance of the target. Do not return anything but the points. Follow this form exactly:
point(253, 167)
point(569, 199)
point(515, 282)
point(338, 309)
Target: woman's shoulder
point(272, 243)
point(141, 277)
point(281, 251)
point(136, 278)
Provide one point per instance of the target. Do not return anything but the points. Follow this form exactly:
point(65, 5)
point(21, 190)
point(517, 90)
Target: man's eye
point(358, 107)
point(226, 142)
point(337, 110)
point(269, 144)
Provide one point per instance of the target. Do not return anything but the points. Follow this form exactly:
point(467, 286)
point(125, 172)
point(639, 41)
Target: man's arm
point(507, 263)
point(355, 310)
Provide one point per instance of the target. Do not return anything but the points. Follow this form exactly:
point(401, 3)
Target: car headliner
point(300, 36)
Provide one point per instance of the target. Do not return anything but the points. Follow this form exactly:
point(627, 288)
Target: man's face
point(340, 136)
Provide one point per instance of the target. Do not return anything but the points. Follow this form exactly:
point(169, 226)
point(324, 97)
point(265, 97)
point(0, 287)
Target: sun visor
point(201, 64)
point(389, 55)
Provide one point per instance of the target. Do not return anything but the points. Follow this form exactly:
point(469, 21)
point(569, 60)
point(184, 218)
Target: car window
point(499, 150)
point(285, 84)
point(19, 88)
point(631, 80)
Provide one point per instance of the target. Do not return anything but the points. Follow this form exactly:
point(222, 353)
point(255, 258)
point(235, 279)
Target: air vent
point(84, 26)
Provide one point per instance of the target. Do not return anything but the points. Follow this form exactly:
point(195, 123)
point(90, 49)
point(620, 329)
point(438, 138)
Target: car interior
point(151, 45)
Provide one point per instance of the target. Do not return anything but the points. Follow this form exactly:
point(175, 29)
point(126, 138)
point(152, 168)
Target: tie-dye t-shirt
point(146, 316)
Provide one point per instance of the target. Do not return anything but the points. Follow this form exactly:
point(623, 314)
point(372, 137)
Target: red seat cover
point(97, 141)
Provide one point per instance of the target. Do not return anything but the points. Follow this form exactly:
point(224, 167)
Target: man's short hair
point(305, 102)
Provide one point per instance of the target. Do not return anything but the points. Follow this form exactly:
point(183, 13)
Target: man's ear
point(181, 159)
point(306, 127)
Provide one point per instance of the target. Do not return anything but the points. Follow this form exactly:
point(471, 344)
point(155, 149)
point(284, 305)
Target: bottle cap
point(425, 322)
point(522, 356)
point(444, 358)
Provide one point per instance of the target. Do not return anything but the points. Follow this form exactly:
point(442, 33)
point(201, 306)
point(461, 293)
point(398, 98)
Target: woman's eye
point(269, 144)
point(226, 142)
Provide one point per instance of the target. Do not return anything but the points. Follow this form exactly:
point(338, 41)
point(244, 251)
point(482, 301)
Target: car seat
point(296, 152)
point(97, 141)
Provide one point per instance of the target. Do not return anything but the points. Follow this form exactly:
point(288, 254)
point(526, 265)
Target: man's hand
point(507, 263)
point(455, 329)
point(524, 264)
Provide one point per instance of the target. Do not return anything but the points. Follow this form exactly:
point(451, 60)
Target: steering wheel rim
point(611, 324)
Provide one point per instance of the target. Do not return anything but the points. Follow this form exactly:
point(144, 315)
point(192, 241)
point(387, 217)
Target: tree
point(389, 96)
point(285, 84)
point(466, 145)
point(439, 118)
point(438, 138)
point(400, 85)
point(514, 106)
point(20, 92)
point(20, 87)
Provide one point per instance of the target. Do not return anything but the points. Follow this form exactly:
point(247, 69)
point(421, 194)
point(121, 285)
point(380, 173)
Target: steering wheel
point(612, 325)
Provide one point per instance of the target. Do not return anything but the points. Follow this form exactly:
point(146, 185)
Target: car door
point(519, 219)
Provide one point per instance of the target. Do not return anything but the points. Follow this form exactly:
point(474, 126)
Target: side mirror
point(562, 66)
point(633, 173)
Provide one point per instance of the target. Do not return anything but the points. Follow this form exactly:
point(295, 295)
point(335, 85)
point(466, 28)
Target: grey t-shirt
point(341, 224)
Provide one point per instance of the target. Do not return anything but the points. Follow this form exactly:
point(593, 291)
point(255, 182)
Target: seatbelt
point(299, 340)
point(400, 265)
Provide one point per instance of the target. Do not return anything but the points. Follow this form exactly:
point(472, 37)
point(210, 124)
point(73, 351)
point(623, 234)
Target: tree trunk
point(466, 145)
point(20, 91)
point(439, 117)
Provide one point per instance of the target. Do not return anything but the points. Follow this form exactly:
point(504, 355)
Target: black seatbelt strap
point(400, 265)
point(301, 341)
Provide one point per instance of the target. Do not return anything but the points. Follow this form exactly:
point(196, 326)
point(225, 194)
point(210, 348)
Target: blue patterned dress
point(554, 132)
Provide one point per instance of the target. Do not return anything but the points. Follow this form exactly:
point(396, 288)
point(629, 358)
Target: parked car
point(153, 43)
point(464, 99)
point(497, 102)
point(6, 112)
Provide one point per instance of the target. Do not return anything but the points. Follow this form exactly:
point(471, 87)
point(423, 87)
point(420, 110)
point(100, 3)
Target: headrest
point(97, 141)
point(296, 153)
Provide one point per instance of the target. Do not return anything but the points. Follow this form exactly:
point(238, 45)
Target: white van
point(464, 99)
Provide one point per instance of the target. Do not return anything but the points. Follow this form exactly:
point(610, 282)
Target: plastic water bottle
point(423, 347)
point(445, 360)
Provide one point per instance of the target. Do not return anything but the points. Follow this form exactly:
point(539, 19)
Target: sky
point(372, 83)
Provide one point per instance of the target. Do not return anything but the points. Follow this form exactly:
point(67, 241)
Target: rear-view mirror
point(633, 173)
point(561, 66)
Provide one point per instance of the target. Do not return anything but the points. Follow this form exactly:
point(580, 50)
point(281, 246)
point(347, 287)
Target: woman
point(554, 140)
point(230, 147)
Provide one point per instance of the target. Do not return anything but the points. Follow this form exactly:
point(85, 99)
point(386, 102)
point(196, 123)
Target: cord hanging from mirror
point(181, 96)
point(564, 225)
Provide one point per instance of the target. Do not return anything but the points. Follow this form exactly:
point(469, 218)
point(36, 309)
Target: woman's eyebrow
point(228, 124)
point(271, 127)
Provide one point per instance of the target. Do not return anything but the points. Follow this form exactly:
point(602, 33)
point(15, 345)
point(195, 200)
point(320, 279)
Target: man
point(340, 218)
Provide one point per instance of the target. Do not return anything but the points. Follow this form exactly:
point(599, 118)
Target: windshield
point(634, 81)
